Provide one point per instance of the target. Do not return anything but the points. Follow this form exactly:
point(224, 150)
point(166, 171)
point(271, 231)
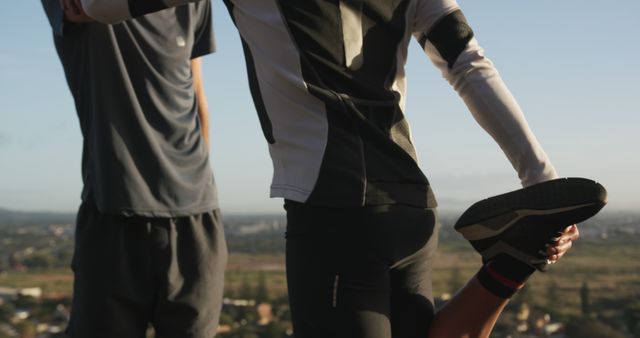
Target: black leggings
point(360, 272)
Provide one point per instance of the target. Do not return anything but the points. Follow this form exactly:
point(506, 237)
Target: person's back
point(329, 84)
point(149, 239)
point(132, 83)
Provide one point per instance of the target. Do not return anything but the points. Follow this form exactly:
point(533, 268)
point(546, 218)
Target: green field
point(611, 269)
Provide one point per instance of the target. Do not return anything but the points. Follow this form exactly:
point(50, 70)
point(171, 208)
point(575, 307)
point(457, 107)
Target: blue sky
point(572, 65)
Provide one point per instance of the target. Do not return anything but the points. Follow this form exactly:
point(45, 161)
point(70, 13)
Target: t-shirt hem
point(160, 213)
point(202, 52)
point(421, 196)
point(291, 193)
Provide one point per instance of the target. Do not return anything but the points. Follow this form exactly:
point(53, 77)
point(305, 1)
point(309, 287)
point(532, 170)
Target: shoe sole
point(560, 202)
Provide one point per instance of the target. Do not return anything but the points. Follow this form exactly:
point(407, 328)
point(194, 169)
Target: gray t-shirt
point(133, 89)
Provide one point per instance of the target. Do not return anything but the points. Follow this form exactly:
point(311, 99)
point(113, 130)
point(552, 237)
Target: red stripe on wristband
point(502, 279)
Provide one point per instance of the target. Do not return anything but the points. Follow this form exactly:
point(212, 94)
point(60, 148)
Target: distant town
point(594, 292)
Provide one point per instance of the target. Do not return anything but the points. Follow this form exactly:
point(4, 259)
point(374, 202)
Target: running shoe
point(522, 223)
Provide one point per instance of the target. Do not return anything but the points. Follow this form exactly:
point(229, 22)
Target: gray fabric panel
point(297, 120)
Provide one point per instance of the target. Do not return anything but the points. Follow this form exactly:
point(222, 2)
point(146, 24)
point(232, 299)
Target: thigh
point(337, 288)
point(412, 305)
point(111, 296)
point(190, 266)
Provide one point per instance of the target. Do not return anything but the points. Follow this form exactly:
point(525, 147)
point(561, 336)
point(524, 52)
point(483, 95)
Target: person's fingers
point(575, 232)
point(562, 247)
point(556, 252)
point(568, 230)
point(571, 233)
point(562, 253)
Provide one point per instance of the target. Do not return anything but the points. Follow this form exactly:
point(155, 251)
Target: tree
point(27, 302)
point(39, 260)
point(7, 311)
point(524, 295)
point(455, 280)
point(591, 328)
point(226, 319)
point(262, 292)
point(273, 330)
point(246, 290)
point(230, 292)
point(552, 294)
point(585, 300)
point(26, 329)
point(632, 318)
point(63, 257)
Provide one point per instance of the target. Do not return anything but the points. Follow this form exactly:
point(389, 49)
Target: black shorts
point(360, 272)
point(134, 271)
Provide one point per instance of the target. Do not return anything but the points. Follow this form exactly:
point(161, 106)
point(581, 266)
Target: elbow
point(107, 11)
point(471, 66)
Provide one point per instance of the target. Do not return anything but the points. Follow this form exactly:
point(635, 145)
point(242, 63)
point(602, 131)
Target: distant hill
point(10, 218)
point(13, 218)
point(627, 223)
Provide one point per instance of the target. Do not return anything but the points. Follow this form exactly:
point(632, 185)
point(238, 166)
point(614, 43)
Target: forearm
point(493, 106)
point(201, 98)
point(114, 11)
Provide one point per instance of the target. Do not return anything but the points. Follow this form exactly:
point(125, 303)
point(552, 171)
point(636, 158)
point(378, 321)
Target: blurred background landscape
point(593, 292)
point(572, 65)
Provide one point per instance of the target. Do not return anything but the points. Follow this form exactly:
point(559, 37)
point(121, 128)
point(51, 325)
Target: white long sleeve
point(477, 81)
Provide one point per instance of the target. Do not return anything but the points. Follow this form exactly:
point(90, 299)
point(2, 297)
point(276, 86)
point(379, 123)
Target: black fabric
point(384, 24)
point(367, 161)
point(315, 26)
point(450, 36)
point(360, 272)
point(258, 102)
point(369, 158)
point(504, 275)
point(142, 7)
point(254, 85)
point(512, 268)
point(342, 176)
point(204, 38)
point(494, 286)
point(55, 14)
point(131, 271)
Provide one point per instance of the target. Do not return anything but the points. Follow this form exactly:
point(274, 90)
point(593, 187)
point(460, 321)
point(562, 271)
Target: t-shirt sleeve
point(429, 12)
point(115, 11)
point(55, 14)
point(204, 40)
